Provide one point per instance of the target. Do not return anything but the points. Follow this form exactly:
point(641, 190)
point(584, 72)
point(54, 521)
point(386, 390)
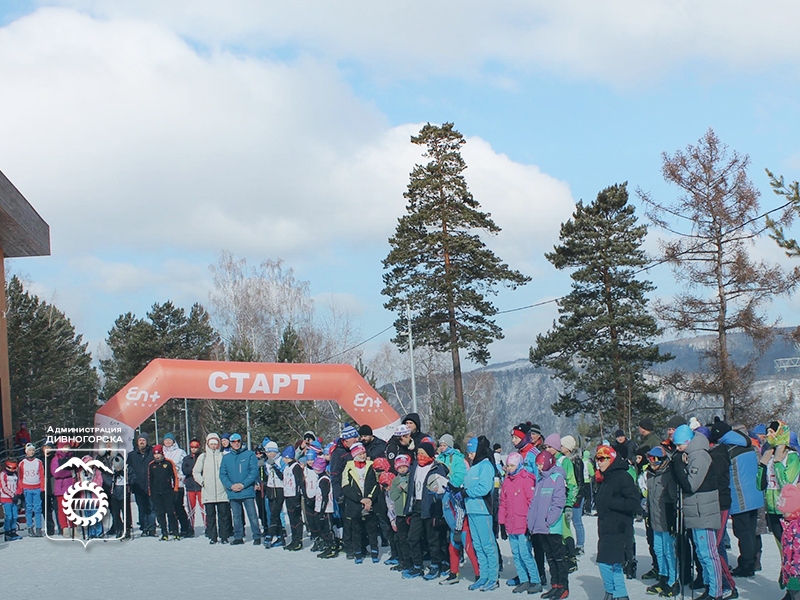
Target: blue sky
point(152, 135)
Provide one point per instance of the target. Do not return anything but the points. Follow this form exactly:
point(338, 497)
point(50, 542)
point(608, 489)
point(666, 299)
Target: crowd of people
point(436, 504)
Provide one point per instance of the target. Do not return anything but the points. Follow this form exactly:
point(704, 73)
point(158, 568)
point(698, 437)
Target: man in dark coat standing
point(139, 461)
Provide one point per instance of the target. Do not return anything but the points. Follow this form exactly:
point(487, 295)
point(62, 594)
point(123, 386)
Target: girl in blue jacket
point(479, 485)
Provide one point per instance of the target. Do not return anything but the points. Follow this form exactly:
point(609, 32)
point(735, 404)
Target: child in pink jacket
point(515, 498)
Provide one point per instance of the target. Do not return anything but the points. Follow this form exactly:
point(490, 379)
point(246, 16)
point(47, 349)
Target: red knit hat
point(789, 502)
point(158, 449)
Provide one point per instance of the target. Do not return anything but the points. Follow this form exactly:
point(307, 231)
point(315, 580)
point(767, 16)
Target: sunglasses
point(236, 441)
point(655, 459)
point(603, 458)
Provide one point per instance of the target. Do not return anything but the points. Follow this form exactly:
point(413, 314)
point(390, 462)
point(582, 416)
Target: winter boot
point(490, 586)
point(413, 573)
point(479, 583)
point(534, 588)
point(331, 551)
point(521, 588)
point(671, 591)
point(651, 574)
point(375, 557)
point(278, 541)
point(433, 573)
point(451, 579)
point(658, 587)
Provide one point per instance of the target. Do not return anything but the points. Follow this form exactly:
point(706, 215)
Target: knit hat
point(195, 443)
point(288, 452)
point(309, 435)
point(169, 436)
point(536, 430)
point(265, 441)
point(271, 447)
point(719, 429)
point(553, 441)
point(29, 445)
point(545, 461)
point(386, 478)
point(402, 430)
point(675, 422)
point(760, 429)
point(329, 448)
point(647, 424)
point(658, 455)
point(311, 455)
point(349, 432)
point(402, 460)
point(427, 447)
point(704, 430)
point(605, 451)
point(320, 464)
point(235, 437)
point(158, 449)
point(683, 435)
point(365, 430)
point(514, 460)
point(472, 445)
point(146, 438)
point(619, 433)
point(694, 423)
point(568, 443)
point(226, 436)
point(521, 430)
point(789, 501)
point(356, 449)
point(381, 464)
point(447, 440)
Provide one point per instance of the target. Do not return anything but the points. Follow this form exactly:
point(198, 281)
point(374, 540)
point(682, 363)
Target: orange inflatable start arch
point(163, 379)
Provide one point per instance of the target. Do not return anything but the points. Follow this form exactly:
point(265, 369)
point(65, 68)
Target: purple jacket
point(63, 479)
point(546, 514)
point(515, 499)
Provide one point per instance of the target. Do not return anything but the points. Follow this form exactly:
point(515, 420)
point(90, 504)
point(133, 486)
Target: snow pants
point(218, 521)
point(164, 505)
point(195, 504)
point(727, 579)
point(480, 527)
point(275, 508)
point(362, 526)
point(402, 542)
point(33, 508)
point(744, 528)
point(556, 553)
point(527, 571)
point(613, 579)
point(664, 548)
point(420, 529)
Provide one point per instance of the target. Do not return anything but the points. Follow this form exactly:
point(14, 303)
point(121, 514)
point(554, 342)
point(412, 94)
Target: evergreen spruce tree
point(52, 380)
point(438, 262)
point(602, 343)
point(447, 416)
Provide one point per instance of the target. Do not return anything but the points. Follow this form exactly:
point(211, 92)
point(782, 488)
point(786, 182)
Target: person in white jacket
point(215, 499)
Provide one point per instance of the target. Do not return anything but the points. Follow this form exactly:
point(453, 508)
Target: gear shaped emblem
point(97, 502)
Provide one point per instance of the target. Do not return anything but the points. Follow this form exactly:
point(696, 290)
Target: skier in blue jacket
point(238, 472)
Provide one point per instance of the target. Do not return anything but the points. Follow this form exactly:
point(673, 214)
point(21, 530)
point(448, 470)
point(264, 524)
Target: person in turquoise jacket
point(479, 485)
point(238, 472)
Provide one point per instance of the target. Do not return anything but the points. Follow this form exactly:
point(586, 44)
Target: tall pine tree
point(438, 263)
point(602, 343)
point(53, 382)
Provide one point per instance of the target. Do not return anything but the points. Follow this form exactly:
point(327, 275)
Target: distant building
point(22, 233)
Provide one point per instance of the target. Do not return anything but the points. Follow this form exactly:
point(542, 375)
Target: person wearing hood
point(700, 508)
point(193, 489)
point(479, 485)
point(546, 521)
point(617, 500)
point(213, 495)
point(225, 443)
point(523, 444)
point(427, 483)
point(173, 452)
point(516, 494)
point(779, 465)
point(415, 424)
point(662, 500)
point(140, 460)
point(239, 473)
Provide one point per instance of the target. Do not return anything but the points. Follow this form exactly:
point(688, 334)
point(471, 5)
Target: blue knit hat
point(169, 436)
point(236, 437)
point(682, 435)
point(288, 452)
point(760, 429)
point(472, 445)
point(349, 432)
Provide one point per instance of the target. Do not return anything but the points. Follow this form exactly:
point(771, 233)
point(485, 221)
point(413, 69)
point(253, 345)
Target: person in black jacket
point(193, 489)
point(413, 421)
point(721, 468)
point(162, 479)
point(360, 489)
point(340, 456)
point(139, 461)
point(400, 443)
point(617, 501)
point(375, 446)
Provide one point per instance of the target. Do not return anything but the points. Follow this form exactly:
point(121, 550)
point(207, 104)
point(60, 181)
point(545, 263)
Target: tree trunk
point(722, 338)
point(457, 385)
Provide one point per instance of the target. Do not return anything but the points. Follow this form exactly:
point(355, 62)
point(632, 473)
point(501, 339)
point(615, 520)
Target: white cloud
point(622, 41)
point(123, 136)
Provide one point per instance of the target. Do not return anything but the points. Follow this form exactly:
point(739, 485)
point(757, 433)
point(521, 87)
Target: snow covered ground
point(193, 569)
